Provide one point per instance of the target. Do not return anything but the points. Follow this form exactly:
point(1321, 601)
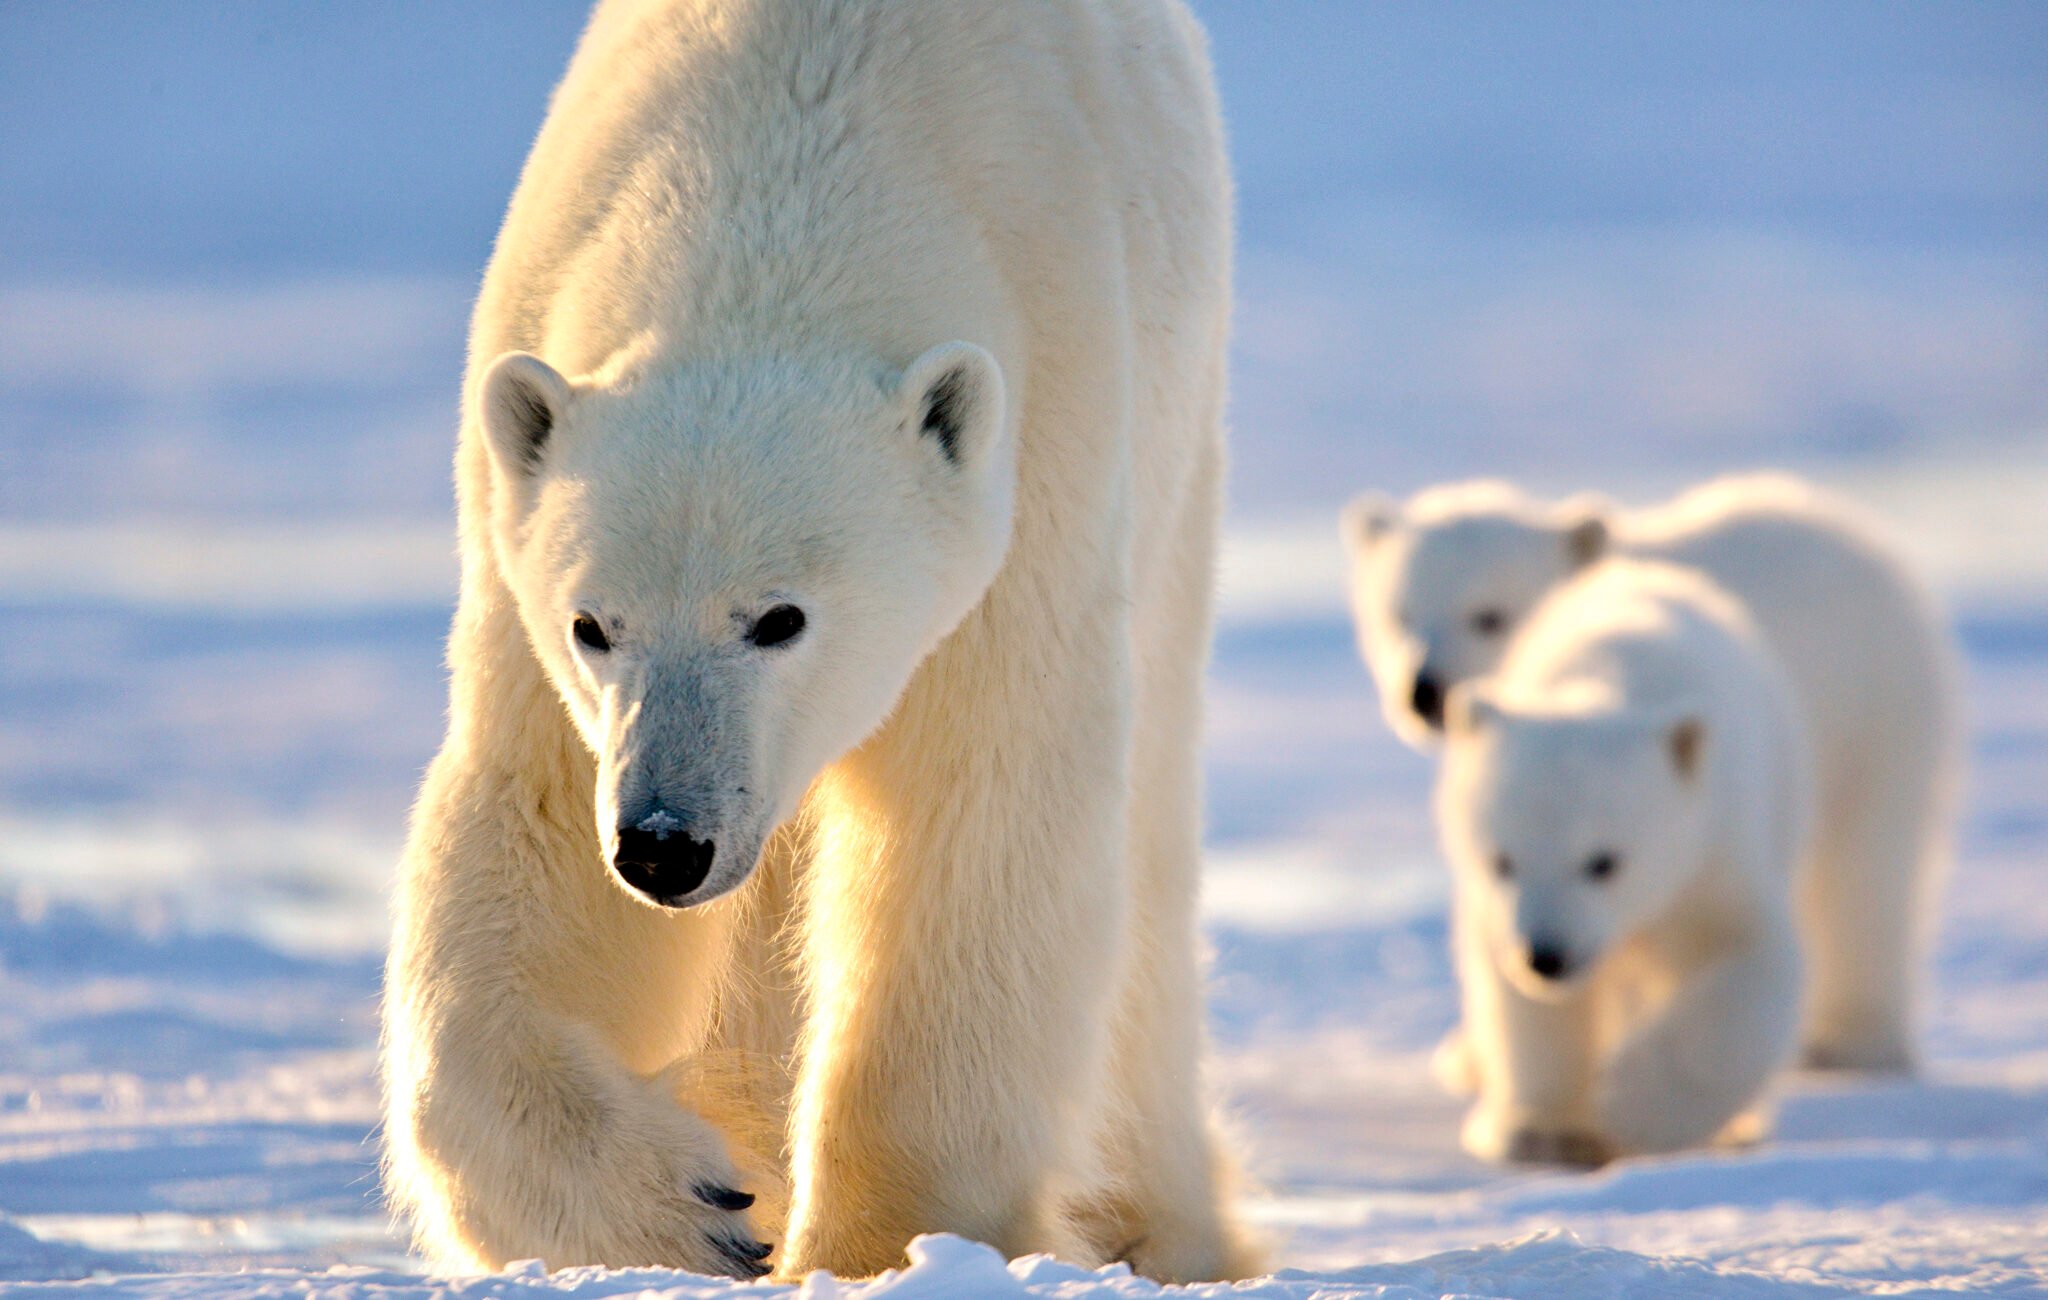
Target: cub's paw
point(1577, 1147)
point(1491, 1134)
point(1653, 1099)
point(1860, 1056)
point(1751, 1128)
point(1453, 1066)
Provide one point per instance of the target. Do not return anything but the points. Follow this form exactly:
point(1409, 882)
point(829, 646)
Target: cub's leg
point(1690, 1070)
point(1867, 899)
point(1454, 1064)
point(1535, 1063)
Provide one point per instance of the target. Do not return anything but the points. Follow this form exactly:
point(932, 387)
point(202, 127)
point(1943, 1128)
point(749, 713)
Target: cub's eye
point(1602, 865)
point(1489, 622)
point(1503, 866)
point(587, 631)
point(778, 625)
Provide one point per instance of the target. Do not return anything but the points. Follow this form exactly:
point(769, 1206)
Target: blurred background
point(1612, 245)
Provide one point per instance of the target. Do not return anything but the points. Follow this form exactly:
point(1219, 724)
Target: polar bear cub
point(1441, 584)
point(1624, 804)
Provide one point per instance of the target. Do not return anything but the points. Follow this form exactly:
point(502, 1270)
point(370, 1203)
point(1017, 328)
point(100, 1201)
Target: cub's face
point(730, 574)
point(1438, 587)
point(1568, 832)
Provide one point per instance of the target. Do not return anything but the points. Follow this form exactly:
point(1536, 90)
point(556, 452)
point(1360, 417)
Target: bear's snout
point(1549, 960)
point(1427, 699)
point(659, 857)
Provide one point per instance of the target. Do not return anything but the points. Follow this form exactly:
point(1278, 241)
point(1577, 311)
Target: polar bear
point(818, 814)
point(1440, 585)
point(1623, 805)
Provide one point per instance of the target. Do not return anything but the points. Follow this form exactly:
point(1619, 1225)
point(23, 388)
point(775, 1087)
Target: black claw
point(747, 1256)
point(723, 1198)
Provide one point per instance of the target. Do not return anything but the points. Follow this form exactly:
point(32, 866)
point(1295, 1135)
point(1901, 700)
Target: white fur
point(942, 974)
point(1860, 640)
point(1638, 725)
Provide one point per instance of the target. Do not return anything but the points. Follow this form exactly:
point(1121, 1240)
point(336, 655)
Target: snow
point(187, 1104)
point(1543, 1264)
point(1585, 245)
point(662, 824)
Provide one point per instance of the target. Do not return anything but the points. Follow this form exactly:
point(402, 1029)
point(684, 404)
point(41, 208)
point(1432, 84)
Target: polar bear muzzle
point(658, 857)
point(1427, 699)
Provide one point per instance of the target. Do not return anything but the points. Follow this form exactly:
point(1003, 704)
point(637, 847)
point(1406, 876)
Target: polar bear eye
point(587, 631)
point(1602, 865)
point(783, 623)
point(1489, 622)
point(1503, 866)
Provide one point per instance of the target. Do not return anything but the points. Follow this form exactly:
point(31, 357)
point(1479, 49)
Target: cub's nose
point(1549, 961)
point(659, 858)
point(1428, 699)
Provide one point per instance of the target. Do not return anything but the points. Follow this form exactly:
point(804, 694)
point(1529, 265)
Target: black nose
point(1428, 700)
point(1548, 961)
point(665, 863)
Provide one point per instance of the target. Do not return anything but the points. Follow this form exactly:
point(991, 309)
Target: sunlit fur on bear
point(1441, 584)
point(1623, 804)
point(910, 318)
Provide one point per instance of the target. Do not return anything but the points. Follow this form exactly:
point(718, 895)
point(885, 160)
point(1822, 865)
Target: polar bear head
point(1569, 830)
point(730, 570)
point(1438, 585)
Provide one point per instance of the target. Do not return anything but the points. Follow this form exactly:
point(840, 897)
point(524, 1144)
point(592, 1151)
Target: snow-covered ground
point(187, 1014)
point(1584, 244)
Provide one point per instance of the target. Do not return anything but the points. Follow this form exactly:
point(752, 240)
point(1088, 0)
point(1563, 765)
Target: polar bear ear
point(520, 401)
point(1686, 740)
point(953, 395)
point(1470, 709)
point(1584, 525)
point(1369, 517)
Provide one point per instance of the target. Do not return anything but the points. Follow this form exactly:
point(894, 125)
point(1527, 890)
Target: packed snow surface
point(188, 1088)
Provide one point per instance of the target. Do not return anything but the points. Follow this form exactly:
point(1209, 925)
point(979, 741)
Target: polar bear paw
point(1504, 1139)
point(1453, 1066)
point(1655, 1099)
point(1539, 1146)
point(664, 1193)
point(1870, 1054)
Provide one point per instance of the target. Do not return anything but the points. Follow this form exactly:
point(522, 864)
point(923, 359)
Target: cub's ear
point(1470, 709)
point(1583, 521)
point(520, 401)
point(953, 396)
point(1369, 517)
point(1686, 740)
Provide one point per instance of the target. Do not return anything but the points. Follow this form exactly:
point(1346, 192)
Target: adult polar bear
point(1441, 584)
point(838, 483)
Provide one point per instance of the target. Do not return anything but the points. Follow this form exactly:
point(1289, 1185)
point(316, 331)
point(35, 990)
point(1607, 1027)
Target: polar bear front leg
point(523, 1139)
point(530, 1010)
point(1684, 1075)
point(1454, 1064)
point(1163, 1202)
point(965, 913)
point(1534, 1064)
